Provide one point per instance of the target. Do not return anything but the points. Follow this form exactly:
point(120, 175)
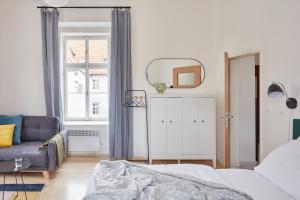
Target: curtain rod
point(88, 7)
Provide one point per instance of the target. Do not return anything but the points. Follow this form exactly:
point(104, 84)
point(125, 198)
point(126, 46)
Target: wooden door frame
point(227, 110)
point(227, 103)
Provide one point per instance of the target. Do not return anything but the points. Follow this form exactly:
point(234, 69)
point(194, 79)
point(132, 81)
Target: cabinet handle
point(195, 121)
point(162, 121)
point(202, 121)
point(171, 121)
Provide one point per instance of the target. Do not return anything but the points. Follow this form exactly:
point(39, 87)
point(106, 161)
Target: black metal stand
point(3, 186)
point(16, 179)
point(138, 102)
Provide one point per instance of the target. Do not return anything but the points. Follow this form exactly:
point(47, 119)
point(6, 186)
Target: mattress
point(243, 180)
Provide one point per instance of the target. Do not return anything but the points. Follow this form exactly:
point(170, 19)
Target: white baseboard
point(88, 154)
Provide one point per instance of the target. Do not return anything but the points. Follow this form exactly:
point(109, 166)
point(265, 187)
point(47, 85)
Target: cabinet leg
point(214, 163)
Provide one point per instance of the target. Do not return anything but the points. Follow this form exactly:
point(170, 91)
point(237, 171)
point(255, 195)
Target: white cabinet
point(207, 126)
point(182, 128)
point(190, 123)
point(173, 125)
point(158, 126)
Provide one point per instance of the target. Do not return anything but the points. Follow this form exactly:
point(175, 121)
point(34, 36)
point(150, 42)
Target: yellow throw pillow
point(6, 135)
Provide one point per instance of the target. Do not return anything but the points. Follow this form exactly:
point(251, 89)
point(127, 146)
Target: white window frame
point(86, 66)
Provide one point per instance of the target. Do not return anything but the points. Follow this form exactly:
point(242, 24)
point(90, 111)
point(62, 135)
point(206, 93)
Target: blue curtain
point(50, 51)
point(120, 118)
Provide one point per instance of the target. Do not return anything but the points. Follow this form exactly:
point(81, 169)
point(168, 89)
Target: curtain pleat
point(50, 50)
point(120, 118)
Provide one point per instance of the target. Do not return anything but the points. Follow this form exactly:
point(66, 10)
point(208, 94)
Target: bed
point(276, 178)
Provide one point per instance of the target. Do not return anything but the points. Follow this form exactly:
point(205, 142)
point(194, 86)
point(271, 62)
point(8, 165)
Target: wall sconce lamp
point(277, 90)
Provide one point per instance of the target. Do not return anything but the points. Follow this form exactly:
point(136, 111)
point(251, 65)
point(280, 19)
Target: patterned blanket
point(122, 180)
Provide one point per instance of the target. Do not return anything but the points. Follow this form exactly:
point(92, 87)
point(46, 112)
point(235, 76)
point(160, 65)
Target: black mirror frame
point(204, 70)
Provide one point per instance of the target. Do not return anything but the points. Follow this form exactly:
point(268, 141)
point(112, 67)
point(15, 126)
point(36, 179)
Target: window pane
point(98, 106)
point(98, 80)
point(75, 51)
point(76, 105)
point(76, 81)
point(76, 89)
point(98, 51)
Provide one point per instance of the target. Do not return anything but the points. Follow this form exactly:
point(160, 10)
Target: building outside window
point(96, 108)
point(95, 83)
point(86, 77)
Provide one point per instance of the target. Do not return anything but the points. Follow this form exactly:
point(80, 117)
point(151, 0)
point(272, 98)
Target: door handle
point(226, 116)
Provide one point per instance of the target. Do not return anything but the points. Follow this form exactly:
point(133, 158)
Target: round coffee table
point(9, 166)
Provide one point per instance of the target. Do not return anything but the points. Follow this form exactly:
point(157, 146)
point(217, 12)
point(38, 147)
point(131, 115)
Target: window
point(96, 108)
point(86, 77)
point(96, 84)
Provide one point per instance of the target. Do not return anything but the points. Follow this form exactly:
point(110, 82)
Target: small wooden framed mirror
point(187, 77)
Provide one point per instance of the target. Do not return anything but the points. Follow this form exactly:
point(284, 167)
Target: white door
point(158, 126)
point(173, 125)
point(207, 126)
point(190, 125)
point(243, 132)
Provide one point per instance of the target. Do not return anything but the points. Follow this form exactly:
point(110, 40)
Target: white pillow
point(282, 168)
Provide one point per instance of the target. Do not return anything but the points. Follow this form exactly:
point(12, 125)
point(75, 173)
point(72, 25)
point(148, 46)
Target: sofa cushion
point(39, 128)
point(27, 150)
point(6, 135)
point(17, 120)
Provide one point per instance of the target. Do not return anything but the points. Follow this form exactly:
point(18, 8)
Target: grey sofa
point(35, 131)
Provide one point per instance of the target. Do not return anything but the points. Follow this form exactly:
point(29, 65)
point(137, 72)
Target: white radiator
point(83, 141)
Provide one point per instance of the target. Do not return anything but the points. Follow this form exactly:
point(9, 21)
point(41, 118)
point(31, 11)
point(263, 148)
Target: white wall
point(201, 29)
point(168, 28)
point(270, 27)
point(242, 104)
point(160, 28)
point(21, 74)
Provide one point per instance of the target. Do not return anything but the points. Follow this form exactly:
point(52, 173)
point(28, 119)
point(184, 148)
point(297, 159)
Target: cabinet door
point(173, 125)
point(207, 126)
point(158, 122)
point(190, 125)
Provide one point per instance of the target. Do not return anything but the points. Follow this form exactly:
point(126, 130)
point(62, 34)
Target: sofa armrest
point(52, 161)
point(52, 165)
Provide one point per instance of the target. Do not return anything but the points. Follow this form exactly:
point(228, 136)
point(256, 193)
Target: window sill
point(85, 123)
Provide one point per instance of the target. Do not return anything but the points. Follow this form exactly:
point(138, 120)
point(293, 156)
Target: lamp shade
point(275, 91)
point(56, 3)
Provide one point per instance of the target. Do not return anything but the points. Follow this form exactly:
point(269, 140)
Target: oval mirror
point(175, 72)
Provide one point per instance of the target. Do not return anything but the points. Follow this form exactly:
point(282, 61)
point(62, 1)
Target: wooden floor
point(71, 179)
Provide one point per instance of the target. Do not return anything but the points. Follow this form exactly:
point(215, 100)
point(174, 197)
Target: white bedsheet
point(253, 184)
point(243, 180)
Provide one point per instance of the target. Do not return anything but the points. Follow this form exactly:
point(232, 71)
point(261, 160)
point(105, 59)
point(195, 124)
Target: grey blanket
point(121, 180)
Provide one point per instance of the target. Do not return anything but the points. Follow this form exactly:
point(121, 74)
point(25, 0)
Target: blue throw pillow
point(17, 120)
